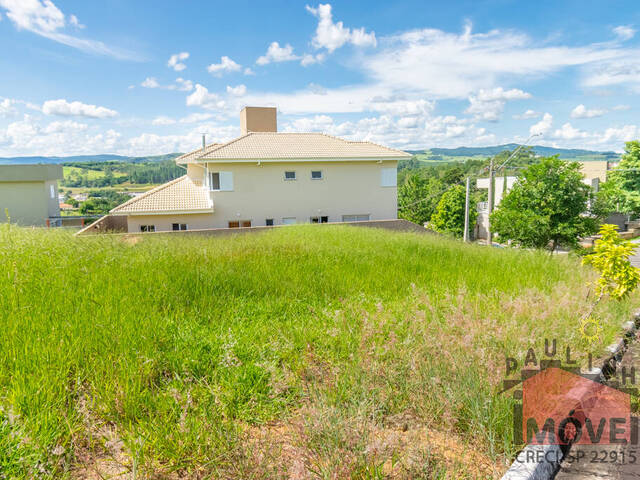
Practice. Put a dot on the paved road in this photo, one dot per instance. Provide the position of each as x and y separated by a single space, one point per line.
608 461
635 260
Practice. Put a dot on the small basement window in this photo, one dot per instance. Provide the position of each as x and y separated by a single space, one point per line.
147 228
178 226
316 174
289 221
234 224
269 222
290 175
355 218
323 219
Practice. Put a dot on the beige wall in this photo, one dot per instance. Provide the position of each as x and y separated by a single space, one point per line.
163 223
596 169
27 202
261 192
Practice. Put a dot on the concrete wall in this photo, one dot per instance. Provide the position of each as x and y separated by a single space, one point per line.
26 202
29 193
596 169
261 192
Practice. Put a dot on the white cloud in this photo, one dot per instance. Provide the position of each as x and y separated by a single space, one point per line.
450 65
44 18
163 120
618 108
237 91
181 84
543 126
276 53
248 71
202 98
7 108
489 104
226 65
65 126
624 32
64 108
527 114
176 61
583 112
28 137
184 85
332 35
309 59
567 132
73 20
150 82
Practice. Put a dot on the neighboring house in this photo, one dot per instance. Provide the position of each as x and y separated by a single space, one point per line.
265 178
595 172
29 193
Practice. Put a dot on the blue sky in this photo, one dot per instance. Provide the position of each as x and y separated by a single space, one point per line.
139 78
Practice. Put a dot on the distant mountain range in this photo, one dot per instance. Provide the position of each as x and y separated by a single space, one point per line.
87 158
565 153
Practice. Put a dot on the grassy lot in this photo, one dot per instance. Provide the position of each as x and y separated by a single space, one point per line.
314 352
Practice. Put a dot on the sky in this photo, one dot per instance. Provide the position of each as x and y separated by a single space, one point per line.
150 77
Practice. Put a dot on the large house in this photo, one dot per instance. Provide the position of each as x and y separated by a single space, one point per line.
29 194
265 178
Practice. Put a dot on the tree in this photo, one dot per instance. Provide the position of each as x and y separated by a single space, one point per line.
546 207
418 197
449 215
626 183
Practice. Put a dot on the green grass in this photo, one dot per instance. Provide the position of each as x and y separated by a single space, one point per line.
91 174
343 352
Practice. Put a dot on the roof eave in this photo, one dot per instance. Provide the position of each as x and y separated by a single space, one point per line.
163 212
303 159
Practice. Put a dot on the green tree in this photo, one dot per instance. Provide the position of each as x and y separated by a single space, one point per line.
626 183
418 197
449 215
546 207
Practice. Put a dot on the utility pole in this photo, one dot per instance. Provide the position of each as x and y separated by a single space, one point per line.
465 236
490 203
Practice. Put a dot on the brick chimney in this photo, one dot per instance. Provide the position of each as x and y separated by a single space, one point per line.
258 119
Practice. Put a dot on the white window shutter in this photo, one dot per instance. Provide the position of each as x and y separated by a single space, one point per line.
226 181
388 177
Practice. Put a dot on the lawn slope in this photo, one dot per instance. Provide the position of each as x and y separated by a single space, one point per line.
332 352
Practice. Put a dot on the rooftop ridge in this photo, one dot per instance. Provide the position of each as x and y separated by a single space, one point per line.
147 193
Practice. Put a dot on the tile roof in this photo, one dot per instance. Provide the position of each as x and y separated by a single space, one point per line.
180 195
275 146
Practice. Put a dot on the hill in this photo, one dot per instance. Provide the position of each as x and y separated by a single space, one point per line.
332 351
87 159
460 153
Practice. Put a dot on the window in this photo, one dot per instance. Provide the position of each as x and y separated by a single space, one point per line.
221 181
323 219
289 175
234 224
245 223
214 181
316 174
52 191
147 228
289 221
388 177
269 222
355 218
178 226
